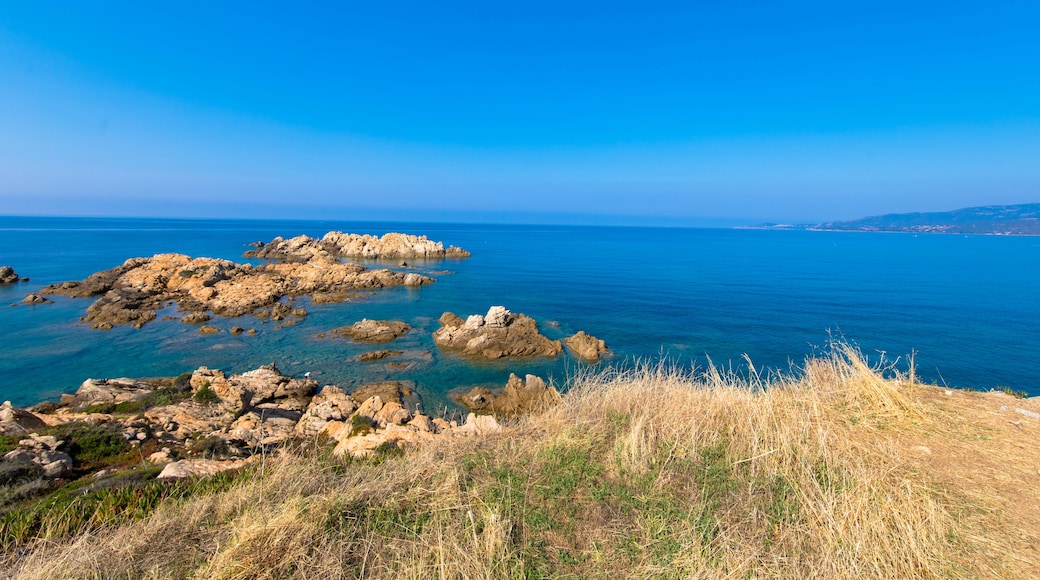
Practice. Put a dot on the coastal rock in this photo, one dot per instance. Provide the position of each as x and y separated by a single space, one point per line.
342 245
14 420
35 299
197 468
133 292
100 391
586 346
330 404
264 425
209 330
479 425
387 391
495 335
373 330
378 355
518 397
195 318
8 275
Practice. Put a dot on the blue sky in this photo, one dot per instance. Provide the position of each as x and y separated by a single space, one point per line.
646 113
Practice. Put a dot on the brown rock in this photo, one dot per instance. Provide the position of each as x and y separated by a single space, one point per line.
586 346
133 292
518 397
496 335
339 244
195 318
331 404
373 330
387 391
378 355
8 275
236 330
208 330
35 299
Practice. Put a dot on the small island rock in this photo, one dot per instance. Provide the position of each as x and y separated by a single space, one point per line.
497 334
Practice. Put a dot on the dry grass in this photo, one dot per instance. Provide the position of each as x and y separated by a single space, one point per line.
836 472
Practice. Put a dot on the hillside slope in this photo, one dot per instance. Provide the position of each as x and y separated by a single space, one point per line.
837 472
1011 220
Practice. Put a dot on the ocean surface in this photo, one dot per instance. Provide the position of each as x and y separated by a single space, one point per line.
969 306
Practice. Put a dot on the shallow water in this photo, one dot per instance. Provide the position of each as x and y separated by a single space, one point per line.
966 304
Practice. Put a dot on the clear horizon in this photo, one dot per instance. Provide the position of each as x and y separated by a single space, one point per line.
714 115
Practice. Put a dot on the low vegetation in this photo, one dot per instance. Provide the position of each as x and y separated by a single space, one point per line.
841 471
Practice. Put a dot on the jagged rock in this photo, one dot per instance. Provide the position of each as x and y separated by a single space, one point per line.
131 293
480 425
8 275
343 245
208 330
195 318
14 420
35 299
507 335
369 407
378 355
236 330
373 330
392 413
387 391
586 346
518 397
330 404
197 468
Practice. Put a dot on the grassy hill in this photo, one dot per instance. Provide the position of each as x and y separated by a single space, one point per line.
844 471
1014 220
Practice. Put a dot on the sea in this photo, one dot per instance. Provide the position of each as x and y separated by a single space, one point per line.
965 308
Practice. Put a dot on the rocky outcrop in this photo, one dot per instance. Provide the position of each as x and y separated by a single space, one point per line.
133 292
14 420
391 246
373 330
8 275
497 334
42 451
33 298
518 397
586 346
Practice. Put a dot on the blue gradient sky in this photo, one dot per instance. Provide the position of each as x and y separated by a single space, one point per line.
686 114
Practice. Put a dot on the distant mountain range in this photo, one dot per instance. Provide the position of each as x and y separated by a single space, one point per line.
1003 220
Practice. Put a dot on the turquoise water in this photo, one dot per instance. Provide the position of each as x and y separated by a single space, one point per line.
967 305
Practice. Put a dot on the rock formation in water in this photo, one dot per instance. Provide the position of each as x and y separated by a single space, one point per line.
373 330
518 397
8 275
133 292
586 346
497 334
342 245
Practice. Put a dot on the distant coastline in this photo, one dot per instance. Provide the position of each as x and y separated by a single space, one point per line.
992 220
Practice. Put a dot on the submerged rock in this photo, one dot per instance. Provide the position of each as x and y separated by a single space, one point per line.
378 355
495 335
373 330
